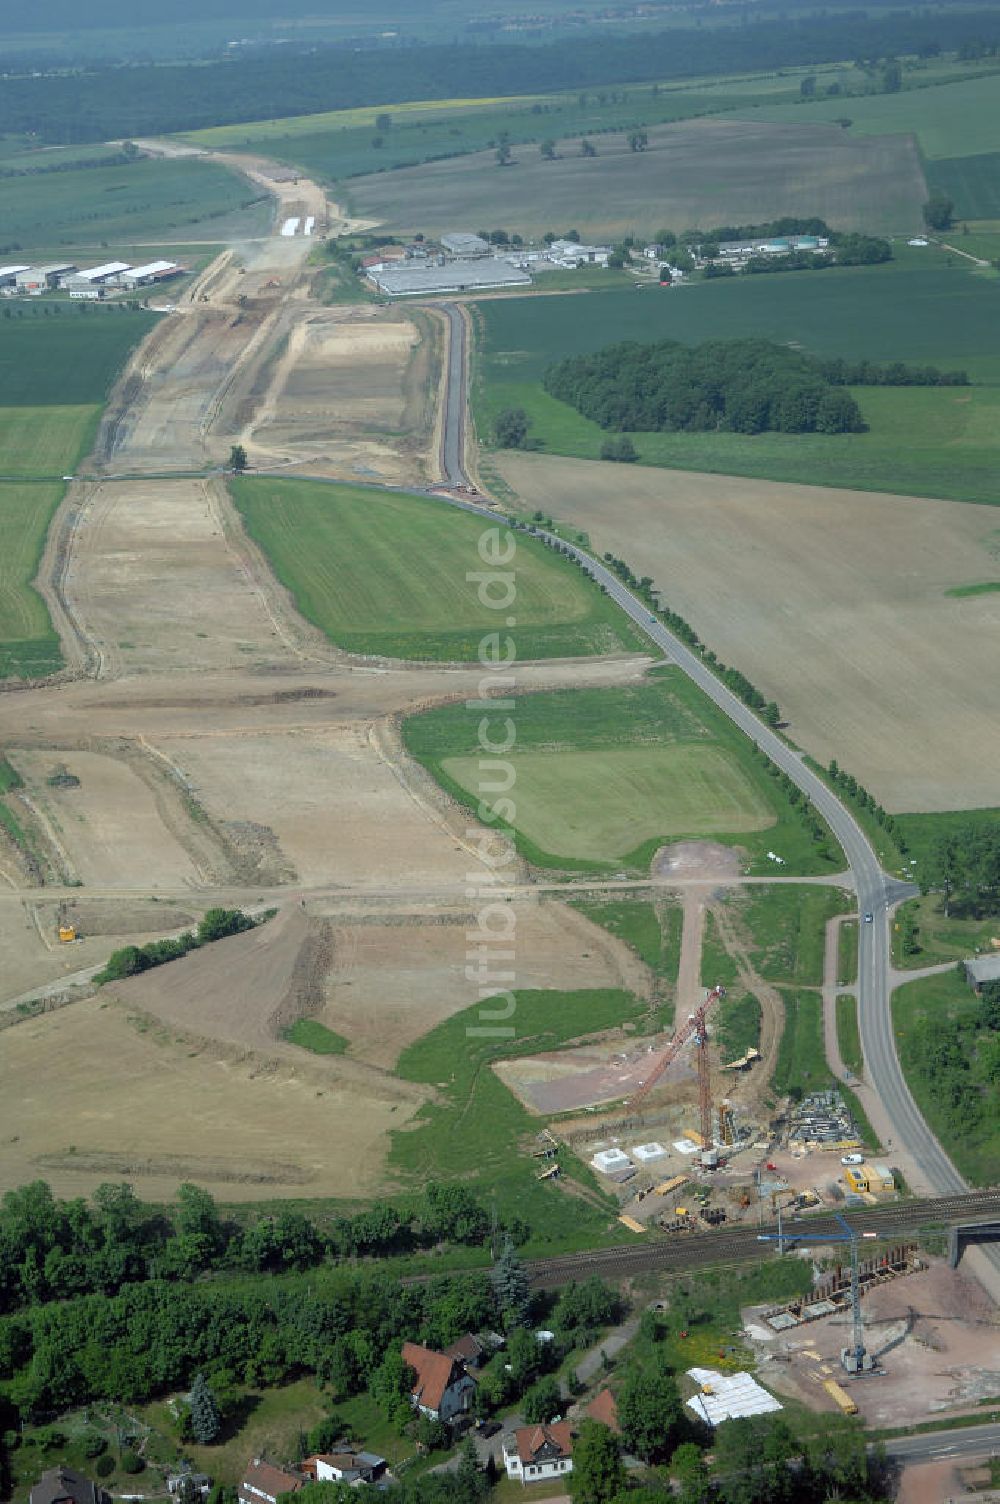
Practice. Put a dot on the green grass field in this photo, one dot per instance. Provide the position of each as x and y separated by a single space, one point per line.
29 647
931 1019
64 359
603 804
922 831
972 183
148 197
987 587
383 574
718 969
478 1132
738 1025
801 1066
924 441
310 1034
602 778
653 932
46 442
788 927
952 120
55 374
848 1035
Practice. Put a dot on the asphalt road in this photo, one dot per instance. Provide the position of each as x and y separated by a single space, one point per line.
942 1446
876 890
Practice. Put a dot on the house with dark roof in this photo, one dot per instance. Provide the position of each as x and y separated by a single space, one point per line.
262 1483
61 1485
534 1453
469 1351
442 1389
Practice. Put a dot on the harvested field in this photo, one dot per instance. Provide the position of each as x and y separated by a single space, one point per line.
109 827
138 1102
834 603
394 978
703 172
334 811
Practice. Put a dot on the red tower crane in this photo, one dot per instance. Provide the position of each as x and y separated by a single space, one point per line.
694 1025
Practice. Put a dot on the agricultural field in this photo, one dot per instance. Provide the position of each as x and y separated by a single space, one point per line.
922 441
55 373
603 779
173 1108
343 144
699 172
793 585
29 647
953 119
386 575
149 197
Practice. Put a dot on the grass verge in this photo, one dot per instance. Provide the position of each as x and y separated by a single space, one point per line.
848 1034
847 952
923 935
801 1066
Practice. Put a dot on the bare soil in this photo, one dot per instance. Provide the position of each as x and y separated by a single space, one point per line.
948 1358
833 602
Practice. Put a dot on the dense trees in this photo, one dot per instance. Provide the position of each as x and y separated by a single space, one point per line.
956 1058
649 1413
745 386
56 1250
938 211
108 103
963 865
598 1475
510 428
130 960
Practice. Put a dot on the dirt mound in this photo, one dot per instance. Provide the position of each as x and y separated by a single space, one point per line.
696 860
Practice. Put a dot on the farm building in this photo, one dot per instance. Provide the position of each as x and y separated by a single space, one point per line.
533 1453
92 282
10 274
982 969
36 279
572 253
461 243
144 276
451 276
740 250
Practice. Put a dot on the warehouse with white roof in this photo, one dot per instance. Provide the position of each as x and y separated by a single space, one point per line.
92 282
144 276
447 276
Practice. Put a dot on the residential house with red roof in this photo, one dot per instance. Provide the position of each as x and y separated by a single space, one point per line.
534 1453
442 1389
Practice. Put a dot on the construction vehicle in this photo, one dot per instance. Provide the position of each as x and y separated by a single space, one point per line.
64 927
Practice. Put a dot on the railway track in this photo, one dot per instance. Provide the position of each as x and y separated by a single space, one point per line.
741 1245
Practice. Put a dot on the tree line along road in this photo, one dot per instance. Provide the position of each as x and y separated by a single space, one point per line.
877 892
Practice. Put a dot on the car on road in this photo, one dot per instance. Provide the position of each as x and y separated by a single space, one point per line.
489 1428
852 1159
869 917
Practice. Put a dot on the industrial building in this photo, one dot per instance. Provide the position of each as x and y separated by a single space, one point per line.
447 276
37 279
144 276
742 250
10 274
92 282
461 243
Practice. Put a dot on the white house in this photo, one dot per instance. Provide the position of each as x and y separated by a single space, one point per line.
442 1388
533 1453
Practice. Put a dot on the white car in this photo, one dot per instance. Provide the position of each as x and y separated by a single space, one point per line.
852 1159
